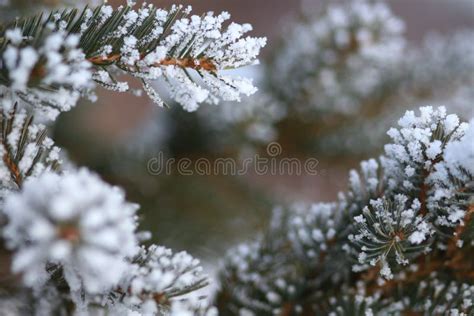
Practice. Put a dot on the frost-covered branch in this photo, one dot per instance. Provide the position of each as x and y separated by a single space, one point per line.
399 241
47 61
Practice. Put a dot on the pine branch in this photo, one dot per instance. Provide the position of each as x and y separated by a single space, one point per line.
147 43
199 64
390 232
141 285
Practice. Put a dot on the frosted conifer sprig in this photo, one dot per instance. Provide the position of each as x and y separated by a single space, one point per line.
26 149
264 273
311 230
389 232
452 188
418 145
74 237
75 222
156 279
256 283
43 68
186 53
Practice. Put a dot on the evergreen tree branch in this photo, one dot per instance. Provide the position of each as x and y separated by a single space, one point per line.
391 232
147 43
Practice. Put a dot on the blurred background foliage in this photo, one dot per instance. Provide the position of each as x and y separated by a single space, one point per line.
119 134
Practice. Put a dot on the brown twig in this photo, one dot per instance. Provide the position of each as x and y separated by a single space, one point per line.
423 193
14 169
196 64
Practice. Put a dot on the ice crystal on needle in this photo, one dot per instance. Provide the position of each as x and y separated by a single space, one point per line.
418 144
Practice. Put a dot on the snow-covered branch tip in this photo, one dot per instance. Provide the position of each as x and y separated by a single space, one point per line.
48 61
75 236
